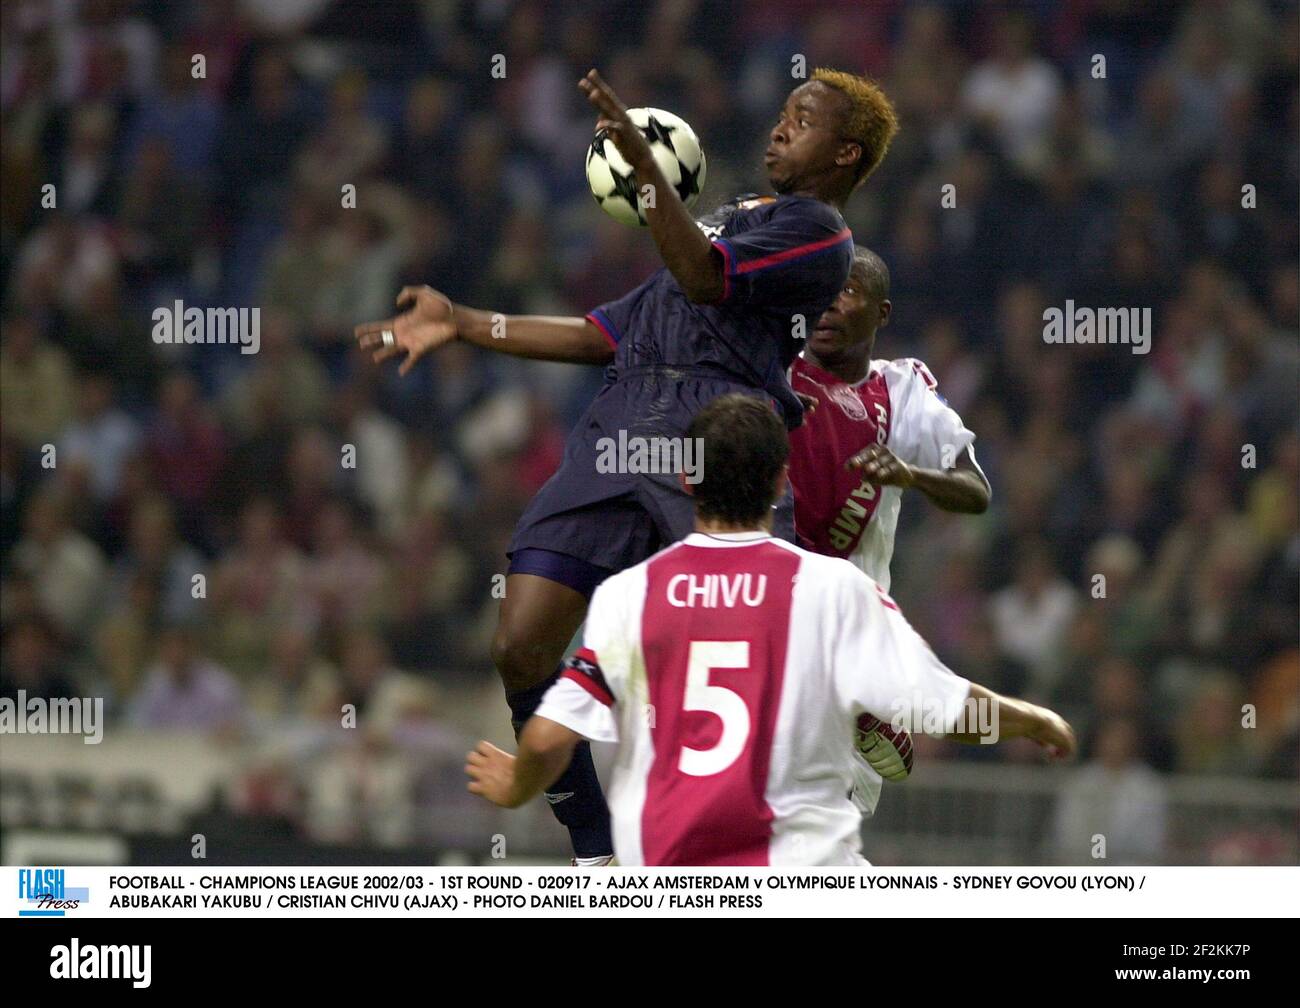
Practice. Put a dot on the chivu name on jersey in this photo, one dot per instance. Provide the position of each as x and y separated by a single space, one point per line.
711 591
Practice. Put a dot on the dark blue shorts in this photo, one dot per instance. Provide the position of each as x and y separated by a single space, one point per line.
614 520
579 575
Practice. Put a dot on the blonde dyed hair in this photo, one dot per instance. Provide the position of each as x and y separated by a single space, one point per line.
871 120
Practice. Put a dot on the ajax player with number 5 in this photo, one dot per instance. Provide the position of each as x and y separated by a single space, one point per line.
729 669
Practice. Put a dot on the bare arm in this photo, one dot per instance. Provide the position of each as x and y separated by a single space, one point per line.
545 749
431 319
962 489
684 248
1013 718
569 340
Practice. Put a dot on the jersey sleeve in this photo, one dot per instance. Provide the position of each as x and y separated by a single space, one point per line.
883 667
583 698
580 700
614 318
799 256
926 431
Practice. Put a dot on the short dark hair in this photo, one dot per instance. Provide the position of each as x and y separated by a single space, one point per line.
874 269
744 447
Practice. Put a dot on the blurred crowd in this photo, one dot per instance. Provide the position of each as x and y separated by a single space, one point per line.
238 542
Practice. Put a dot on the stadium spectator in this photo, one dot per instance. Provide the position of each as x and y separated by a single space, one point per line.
36 384
101 438
299 685
1014 92
185 690
153 550
256 587
1031 616
1114 807
31 663
67 570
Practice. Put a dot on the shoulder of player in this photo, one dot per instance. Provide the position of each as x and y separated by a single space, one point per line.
905 373
842 587
749 201
811 208
906 367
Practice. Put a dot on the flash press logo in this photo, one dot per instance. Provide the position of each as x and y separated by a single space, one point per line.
46 893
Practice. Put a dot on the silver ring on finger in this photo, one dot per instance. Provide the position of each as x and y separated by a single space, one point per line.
386 336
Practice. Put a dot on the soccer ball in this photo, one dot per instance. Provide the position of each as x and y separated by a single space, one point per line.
676 150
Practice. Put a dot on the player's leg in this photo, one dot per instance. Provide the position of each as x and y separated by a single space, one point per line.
582 526
545 603
538 618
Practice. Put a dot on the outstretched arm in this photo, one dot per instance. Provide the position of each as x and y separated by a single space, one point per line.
567 339
431 319
910 688
684 248
1014 718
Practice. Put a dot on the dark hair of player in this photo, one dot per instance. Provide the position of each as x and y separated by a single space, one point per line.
745 447
869 117
874 271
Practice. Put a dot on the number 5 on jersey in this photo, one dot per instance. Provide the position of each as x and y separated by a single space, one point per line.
718 700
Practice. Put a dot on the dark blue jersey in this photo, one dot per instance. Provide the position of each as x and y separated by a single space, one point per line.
786 258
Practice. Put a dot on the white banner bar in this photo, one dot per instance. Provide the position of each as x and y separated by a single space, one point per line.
70 892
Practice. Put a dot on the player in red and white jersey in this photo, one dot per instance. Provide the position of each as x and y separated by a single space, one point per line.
729 669
879 427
